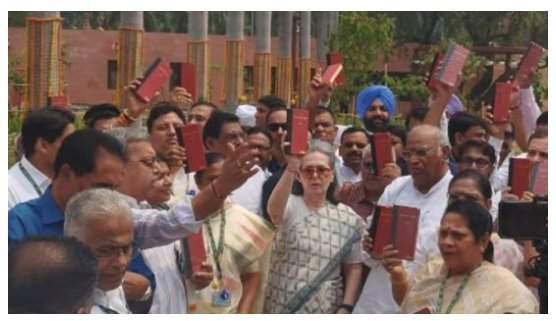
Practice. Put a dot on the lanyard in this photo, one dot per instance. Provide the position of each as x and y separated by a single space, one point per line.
217 251
456 297
30 179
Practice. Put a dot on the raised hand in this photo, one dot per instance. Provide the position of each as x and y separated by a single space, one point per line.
181 98
134 106
496 129
237 167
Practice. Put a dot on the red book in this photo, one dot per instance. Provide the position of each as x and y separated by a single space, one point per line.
530 60
153 80
431 79
452 65
58 101
336 58
196 250
189 79
381 151
298 126
502 102
397 225
331 73
539 179
520 173
190 137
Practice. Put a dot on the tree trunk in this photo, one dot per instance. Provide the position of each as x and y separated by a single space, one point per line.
44 57
130 51
262 68
284 89
197 50
233 76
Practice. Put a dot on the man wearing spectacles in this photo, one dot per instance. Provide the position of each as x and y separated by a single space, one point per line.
426 188
276 124
102 220
261 140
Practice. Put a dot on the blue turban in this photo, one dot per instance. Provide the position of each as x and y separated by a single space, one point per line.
369 94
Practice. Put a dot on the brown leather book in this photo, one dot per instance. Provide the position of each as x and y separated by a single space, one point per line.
431 79
189 79
530 60
153 80
502 101
190 138
539 179
336 58
520 174
381 151
298 126
452 65
331 73
397 225
194 253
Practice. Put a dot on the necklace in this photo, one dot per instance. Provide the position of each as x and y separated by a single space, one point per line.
217 251
457 295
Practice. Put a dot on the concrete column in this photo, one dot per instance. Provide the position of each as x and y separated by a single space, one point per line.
262 68
197 50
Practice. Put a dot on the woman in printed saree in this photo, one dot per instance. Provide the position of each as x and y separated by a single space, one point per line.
462 279
235 240
318 240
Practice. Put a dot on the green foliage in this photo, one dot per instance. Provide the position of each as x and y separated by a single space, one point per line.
360 36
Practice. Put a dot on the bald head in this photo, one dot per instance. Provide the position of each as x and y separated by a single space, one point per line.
426 153
51 275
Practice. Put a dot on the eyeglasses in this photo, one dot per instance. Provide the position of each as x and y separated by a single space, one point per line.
479 162
274 127
112 252
309 172
420 152
149 162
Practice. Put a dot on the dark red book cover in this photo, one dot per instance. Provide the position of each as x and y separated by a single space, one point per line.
189 79
431 79
196 250
153 80
452 65
190 137
539 178
58 101
502 101
381 151
336 58
331 73
530 60
298 126
520 173
397 225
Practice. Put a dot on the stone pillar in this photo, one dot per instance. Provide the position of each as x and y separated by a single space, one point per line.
130 51
44 58
284 74
198 50
233 70
305 54
262 68
322 36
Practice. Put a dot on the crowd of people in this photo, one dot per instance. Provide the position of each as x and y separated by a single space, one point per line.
100 218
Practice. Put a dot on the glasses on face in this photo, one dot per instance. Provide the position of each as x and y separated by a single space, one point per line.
149 162
113 252
309 172
458 196
479 162
419 152
274 127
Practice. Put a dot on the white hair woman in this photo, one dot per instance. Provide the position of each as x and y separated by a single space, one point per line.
317 240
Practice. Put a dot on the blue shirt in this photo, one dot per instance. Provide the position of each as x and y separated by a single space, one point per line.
39 216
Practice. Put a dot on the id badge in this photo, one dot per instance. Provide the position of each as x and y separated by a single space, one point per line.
221 298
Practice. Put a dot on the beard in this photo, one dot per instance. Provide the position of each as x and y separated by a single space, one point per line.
375 124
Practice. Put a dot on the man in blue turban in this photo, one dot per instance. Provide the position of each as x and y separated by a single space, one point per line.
375 106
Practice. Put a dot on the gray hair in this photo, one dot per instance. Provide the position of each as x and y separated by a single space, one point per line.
441 137
129 135
94 203
317 145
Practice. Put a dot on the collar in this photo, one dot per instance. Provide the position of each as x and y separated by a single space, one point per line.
51 213
444 181
37 175
347 172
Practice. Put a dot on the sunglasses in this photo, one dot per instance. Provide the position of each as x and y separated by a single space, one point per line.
309 172
274 127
